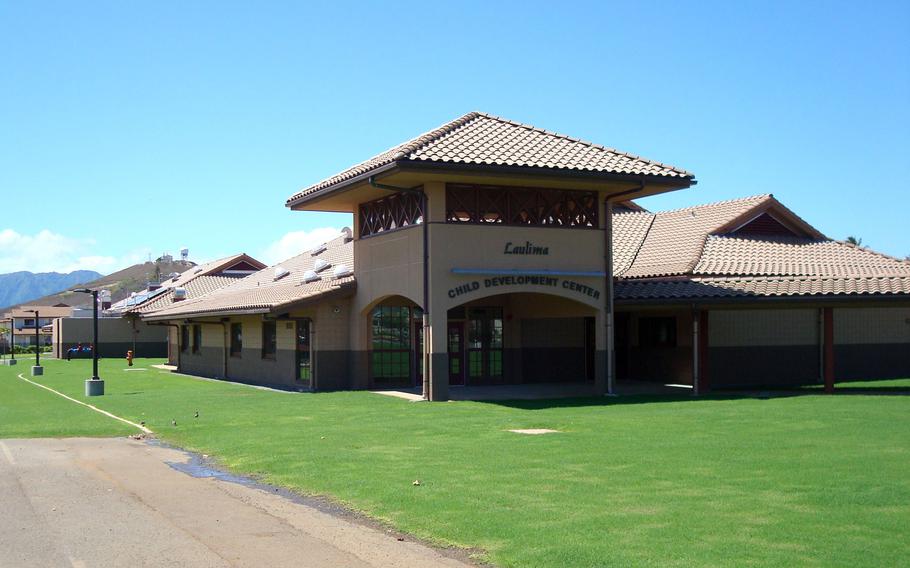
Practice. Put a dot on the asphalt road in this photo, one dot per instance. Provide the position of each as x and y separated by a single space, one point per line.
115 502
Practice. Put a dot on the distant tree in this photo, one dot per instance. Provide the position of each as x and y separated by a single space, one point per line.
851 240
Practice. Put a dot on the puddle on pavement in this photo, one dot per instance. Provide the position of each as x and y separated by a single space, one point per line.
197 467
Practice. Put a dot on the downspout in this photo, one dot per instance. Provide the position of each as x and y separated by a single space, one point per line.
426 277
608 291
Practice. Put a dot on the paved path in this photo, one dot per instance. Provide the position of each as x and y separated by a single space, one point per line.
115 502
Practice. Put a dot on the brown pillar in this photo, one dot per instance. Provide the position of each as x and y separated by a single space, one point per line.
704 380
828 316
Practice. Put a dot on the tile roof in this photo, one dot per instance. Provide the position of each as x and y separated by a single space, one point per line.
783 256
629 230
485 140
194 288
679 256
198 280
261 292
676 238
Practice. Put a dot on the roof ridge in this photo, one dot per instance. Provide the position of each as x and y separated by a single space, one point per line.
759 197
533 128
867 249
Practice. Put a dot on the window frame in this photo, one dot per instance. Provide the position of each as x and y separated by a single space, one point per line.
650 329
236 340
395 364
269 345
197 338
514 206
397 211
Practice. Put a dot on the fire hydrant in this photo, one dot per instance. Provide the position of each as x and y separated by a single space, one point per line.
129 358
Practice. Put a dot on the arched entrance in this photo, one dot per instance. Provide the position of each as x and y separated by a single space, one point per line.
395 338
521 338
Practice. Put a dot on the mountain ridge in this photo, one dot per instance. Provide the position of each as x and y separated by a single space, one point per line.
23 285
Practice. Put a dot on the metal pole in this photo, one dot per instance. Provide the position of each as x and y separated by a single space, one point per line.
95 335
12 338
37 340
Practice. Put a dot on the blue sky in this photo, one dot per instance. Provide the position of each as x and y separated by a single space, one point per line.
129 129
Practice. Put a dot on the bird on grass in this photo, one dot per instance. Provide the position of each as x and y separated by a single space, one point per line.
196 415
173 422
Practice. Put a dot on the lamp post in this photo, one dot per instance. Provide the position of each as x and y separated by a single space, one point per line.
37 369
12 343
93 386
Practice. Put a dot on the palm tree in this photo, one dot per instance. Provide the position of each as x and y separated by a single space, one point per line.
851 240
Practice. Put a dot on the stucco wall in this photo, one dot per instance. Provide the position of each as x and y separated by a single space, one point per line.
871 343
115 337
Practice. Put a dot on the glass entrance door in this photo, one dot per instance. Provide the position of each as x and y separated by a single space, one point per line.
456 353
304 354
485 345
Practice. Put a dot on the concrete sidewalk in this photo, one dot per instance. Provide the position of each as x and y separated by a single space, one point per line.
116 502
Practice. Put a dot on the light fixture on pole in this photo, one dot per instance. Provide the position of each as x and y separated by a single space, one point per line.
93 386
37 369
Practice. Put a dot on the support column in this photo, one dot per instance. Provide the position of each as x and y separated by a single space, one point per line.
704 378
696 350
437 356
600 353
609 350
828 318
436 373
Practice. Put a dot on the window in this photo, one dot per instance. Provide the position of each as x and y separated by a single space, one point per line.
393 212
197 338
391 343
657 332
236 339
488 204
304 353
485 342
29 322
184 337
269 340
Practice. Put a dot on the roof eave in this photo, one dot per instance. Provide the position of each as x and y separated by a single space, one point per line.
758 299
339 186
204 314
680 181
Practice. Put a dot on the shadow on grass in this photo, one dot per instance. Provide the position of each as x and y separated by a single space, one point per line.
726 395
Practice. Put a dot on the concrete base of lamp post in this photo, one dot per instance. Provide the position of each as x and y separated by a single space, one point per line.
37 370
94 387
8 361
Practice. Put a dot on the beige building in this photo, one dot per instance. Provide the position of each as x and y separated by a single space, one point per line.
479 255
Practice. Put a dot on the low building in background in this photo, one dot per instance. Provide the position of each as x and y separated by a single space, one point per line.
120 328
23 322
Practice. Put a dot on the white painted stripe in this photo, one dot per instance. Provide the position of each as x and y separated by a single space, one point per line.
8 454
95 408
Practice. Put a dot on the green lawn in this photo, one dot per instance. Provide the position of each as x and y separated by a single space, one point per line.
802 480
27 411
